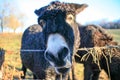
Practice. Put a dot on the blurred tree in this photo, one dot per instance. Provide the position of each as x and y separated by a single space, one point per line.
3 13
111 24
10 16
1 23
13 22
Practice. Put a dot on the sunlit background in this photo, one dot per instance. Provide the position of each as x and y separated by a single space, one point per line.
97 11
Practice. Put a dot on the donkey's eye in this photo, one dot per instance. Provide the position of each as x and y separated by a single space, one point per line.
70 17
42 22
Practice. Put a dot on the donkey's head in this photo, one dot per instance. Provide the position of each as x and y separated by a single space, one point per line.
58 20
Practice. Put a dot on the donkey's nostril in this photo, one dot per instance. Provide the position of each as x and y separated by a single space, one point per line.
49 56
63 52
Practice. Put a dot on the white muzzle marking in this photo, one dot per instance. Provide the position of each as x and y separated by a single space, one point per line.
54 44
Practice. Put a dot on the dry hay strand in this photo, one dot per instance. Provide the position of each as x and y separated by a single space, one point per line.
95 52
98 52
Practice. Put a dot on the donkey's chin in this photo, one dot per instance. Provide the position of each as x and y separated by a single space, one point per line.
63 69
67 65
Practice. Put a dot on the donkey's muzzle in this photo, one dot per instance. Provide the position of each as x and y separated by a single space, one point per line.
60 59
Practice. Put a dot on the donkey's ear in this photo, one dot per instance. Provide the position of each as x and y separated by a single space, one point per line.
78 7
37 12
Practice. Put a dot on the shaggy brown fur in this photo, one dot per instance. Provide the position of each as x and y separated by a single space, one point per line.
96 36
93 35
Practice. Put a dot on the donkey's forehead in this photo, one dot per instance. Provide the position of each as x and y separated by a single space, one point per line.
64 7
60 6
54 8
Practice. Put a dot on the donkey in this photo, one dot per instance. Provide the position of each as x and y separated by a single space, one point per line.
57 41
96 36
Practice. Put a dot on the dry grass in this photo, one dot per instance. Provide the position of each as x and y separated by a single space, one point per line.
103 75
12 64
115 33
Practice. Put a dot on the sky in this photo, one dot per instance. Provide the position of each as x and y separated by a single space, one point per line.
97 9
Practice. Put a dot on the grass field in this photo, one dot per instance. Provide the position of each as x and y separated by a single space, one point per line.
12 42
116 34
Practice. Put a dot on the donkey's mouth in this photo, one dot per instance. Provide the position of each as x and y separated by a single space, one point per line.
63 70
66 65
